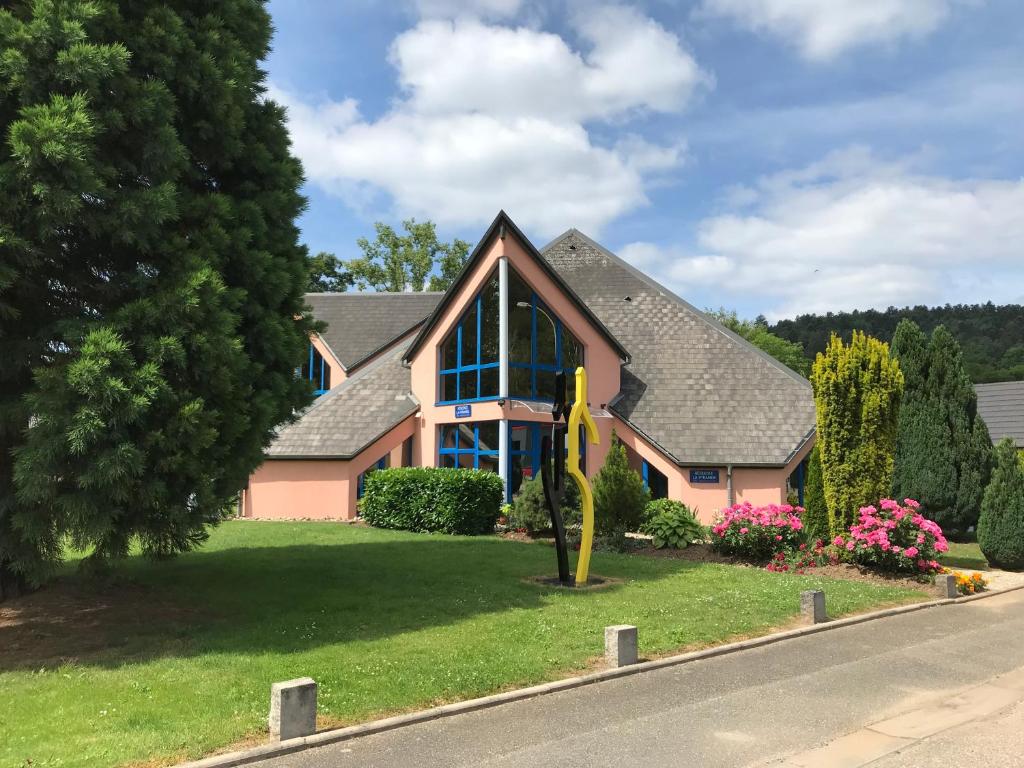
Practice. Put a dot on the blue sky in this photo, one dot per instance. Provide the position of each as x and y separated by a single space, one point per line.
772 156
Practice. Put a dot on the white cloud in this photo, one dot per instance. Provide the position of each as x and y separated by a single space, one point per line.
822 29
497 117
852 232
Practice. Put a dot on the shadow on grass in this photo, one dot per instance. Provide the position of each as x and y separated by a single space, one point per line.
285 599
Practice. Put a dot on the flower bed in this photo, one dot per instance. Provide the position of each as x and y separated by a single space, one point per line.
894 538
969 584
757 533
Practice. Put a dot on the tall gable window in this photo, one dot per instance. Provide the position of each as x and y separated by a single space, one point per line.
469 354
317 370
539 345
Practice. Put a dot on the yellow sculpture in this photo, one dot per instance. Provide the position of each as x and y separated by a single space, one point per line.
580 416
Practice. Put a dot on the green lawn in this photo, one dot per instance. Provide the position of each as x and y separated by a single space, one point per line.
177 660
964 556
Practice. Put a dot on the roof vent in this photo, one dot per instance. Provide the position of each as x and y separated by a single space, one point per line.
572 246
628 298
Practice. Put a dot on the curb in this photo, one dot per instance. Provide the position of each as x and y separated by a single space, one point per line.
335 735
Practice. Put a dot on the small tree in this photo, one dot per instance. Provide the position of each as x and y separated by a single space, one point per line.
815 509
857 390
1001 526
789 353
395 262
619 494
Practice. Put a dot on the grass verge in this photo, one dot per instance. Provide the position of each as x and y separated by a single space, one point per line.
176 660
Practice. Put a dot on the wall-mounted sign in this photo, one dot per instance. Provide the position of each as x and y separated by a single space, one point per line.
463 411
703 475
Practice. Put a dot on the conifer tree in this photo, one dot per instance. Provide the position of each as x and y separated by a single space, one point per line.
943 449
1001 526
815 508
619 494
150 274
857 390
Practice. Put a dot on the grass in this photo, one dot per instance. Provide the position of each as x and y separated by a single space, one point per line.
964 556
176 660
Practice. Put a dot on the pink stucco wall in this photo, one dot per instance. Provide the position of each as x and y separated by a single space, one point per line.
318 490
754 484
338 374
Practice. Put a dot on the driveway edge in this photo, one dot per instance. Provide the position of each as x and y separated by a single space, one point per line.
334 735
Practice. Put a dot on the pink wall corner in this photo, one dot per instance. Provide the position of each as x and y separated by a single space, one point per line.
382 446
290 490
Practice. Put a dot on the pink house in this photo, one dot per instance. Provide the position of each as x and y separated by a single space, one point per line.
466 378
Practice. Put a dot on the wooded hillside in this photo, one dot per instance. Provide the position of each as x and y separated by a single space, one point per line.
992 337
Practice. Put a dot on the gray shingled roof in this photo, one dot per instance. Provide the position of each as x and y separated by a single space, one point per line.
1001 405
352 415
361 324
698 391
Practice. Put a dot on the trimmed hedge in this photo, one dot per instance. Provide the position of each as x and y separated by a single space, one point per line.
461 501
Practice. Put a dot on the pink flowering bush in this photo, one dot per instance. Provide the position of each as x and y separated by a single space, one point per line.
894 538
756 533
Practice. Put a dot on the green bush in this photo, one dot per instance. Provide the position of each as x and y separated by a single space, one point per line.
672 524
530 512
1001 526
460 501
815 515
619 494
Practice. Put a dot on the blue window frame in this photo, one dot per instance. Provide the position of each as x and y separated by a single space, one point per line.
382 463
317 370
654 481
469 355
469 445
539 346
524 453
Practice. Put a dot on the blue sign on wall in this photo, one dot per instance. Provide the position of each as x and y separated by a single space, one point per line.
703 475
463 411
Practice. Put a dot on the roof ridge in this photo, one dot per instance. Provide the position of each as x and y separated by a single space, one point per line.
650 281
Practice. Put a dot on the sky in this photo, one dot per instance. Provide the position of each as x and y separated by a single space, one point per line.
775 157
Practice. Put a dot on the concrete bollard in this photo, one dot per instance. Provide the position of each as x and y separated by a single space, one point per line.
947 585
293 709
812 606
620 647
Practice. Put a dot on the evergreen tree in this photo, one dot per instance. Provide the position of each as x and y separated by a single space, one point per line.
150 274
815 517
943 448
619 494
857 390
1001 526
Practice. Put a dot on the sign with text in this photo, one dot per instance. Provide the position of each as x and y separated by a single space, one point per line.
703 475
463 411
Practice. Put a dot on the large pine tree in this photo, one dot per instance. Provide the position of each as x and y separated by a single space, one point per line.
150 274
943 448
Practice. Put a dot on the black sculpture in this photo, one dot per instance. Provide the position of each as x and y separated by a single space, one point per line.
554 487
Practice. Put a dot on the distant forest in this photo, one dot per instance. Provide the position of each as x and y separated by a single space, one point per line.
992 337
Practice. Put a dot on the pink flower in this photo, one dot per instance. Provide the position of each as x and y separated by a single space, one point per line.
911 552
849 546
837 541
744 530
778 538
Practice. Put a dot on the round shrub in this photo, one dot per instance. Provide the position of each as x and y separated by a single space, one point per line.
894 538
756 533
463 501
530 512
671 524
1001 526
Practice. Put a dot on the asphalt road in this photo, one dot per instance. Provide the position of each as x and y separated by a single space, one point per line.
757 707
